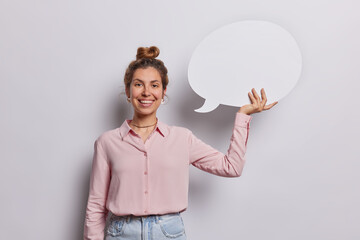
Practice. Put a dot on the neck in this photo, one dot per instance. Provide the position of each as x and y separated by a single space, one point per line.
144 120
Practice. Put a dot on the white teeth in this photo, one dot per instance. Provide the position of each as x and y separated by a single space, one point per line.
146 101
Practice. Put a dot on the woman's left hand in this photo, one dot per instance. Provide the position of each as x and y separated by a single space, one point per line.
256 105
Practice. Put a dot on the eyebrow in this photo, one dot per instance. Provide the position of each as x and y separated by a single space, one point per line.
143 81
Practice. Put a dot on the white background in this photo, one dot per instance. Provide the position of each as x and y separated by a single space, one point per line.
61 71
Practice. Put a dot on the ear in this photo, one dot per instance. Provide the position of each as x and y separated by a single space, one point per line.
127 91
164 92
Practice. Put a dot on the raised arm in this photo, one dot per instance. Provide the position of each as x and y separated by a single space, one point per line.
211 160
232 163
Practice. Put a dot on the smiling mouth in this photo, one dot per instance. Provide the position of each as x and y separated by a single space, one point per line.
146 103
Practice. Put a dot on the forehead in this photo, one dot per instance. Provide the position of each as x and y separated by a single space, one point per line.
147 74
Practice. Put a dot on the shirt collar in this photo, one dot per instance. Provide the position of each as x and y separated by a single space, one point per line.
161 127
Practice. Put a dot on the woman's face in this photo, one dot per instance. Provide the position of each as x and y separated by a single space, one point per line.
146 91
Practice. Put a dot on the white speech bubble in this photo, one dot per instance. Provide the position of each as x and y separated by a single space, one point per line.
240 56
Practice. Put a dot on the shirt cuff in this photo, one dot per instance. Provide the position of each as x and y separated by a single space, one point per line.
242 119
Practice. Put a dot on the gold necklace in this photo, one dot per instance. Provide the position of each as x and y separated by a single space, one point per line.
143 126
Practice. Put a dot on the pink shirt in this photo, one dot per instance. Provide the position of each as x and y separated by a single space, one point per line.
132 177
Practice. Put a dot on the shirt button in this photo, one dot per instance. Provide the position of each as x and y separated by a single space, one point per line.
145 154
145 211
146 192
145 173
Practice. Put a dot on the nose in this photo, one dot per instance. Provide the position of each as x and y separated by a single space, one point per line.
145 91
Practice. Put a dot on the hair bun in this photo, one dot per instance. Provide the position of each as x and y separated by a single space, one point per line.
147 52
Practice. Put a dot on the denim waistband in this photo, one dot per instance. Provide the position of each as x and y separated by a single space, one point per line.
154 217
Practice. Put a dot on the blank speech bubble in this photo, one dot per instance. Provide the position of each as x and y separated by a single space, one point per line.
240 56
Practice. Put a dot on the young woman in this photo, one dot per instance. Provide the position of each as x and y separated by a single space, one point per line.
140 171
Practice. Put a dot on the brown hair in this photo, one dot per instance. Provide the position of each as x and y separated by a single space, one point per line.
145 58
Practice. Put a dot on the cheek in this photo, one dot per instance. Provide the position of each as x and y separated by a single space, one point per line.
135 92
161 93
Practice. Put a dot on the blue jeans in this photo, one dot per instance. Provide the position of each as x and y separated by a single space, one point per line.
151 227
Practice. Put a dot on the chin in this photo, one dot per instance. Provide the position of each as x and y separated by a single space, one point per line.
145 112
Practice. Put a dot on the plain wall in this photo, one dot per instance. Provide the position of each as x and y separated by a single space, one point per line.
61 70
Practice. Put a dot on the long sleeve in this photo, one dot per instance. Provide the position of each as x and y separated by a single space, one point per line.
99 184
211 160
